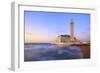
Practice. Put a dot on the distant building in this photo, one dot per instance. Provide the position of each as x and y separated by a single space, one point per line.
68 39
63 38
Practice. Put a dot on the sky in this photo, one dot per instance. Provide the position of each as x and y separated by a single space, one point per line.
46 26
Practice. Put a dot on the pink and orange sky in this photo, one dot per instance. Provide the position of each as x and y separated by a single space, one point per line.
45 26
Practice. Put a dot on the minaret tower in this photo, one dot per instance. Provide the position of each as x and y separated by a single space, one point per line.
72 29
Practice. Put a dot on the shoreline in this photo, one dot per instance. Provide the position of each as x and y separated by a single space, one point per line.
85 49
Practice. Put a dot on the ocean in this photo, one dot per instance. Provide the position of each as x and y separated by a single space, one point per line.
47 51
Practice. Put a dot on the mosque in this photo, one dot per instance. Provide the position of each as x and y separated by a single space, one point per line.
68 39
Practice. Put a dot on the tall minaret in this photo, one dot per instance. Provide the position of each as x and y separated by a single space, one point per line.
72 29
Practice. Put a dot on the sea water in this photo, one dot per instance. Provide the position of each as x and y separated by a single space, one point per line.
44 52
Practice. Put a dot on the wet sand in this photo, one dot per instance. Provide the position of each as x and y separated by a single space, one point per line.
85 48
